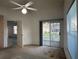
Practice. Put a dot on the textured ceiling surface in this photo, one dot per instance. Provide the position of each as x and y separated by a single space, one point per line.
7 3
37 3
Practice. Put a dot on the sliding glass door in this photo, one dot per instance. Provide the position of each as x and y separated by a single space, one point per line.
55 34
46 34
50 33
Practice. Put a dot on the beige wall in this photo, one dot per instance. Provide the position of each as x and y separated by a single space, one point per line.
47 9
67 4
10 15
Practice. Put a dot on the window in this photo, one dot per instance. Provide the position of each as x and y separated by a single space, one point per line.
72 31
14 29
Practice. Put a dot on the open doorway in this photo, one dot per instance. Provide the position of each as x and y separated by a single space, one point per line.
12 33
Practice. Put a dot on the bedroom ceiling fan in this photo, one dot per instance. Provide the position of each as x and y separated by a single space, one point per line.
25 7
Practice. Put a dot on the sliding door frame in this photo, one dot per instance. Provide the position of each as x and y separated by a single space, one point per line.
41 25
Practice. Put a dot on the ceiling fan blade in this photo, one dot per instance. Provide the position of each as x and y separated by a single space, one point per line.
17 8
28 4
15 3
32 9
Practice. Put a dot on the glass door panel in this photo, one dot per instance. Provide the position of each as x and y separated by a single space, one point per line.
51 34
46 34
55 34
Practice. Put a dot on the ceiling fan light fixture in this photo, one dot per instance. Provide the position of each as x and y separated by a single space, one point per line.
23 8
24 11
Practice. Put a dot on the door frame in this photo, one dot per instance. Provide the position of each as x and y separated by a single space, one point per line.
40 28
19 33
13 23
19 23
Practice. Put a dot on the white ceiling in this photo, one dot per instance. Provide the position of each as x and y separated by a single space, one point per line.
37 3
7 3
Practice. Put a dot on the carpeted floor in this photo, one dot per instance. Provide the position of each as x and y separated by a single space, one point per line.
32 52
